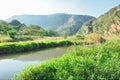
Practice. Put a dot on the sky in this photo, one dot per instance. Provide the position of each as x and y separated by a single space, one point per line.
95 8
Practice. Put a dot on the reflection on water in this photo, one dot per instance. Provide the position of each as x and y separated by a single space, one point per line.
8 67
42 55
14 63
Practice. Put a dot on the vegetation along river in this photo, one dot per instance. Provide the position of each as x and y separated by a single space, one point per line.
14 63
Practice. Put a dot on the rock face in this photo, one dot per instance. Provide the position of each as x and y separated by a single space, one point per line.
90 28
63 23
114 28
107 24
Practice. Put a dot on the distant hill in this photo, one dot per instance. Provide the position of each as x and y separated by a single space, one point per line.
61 22
73 24
106 24
5 27
16 31
21 29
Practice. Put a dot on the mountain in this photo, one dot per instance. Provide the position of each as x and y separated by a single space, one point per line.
61 22
73 24
106 24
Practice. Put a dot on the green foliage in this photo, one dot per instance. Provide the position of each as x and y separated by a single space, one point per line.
32 30
80 37
4 38
51 33
17 25
5 27
89 63
16 28
12 33
17 47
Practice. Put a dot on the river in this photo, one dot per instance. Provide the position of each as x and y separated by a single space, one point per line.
14 63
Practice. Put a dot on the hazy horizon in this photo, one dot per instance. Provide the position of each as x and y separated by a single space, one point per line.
43 7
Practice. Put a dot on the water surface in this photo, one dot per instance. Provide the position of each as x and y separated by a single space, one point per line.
14 63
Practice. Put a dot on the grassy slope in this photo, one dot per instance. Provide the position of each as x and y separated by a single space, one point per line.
89 63
104 22
73 24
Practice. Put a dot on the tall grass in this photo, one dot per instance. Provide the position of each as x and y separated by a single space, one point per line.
16 47
4 38
88 63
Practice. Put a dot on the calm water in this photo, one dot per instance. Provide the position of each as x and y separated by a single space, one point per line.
12 64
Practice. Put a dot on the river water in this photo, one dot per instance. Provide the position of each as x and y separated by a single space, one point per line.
14 63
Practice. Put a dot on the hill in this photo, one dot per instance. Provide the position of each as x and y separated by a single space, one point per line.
73 24
58 22
16 31
106 24
5 27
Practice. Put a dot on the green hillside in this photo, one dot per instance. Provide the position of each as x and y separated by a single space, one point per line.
16 31
72 25
106 24
60 22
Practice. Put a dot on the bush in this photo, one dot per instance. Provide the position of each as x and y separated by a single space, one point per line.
95 38
81 37
16 47
12 33
90 63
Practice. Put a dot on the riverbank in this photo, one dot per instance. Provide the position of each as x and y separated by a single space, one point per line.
18 47
93 62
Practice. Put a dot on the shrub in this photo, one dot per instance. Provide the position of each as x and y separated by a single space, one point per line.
16 47
90 63
95 38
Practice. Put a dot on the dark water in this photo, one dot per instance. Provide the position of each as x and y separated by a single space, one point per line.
12 64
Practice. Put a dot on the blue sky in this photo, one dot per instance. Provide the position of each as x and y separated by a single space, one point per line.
95 8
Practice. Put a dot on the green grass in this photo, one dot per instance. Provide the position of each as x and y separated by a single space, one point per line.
88 63
17 47
4 38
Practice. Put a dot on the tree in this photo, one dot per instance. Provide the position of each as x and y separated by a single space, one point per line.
52 33
12 33
33 30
